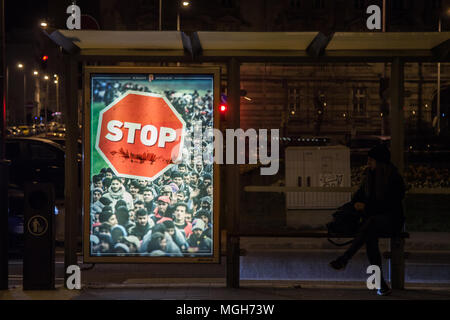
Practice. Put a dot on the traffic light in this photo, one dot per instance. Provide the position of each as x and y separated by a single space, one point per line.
44 61
223 108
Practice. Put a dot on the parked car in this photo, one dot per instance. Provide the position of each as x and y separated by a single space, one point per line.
36 159
25 130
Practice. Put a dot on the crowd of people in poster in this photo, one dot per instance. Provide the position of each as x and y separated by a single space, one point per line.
170 216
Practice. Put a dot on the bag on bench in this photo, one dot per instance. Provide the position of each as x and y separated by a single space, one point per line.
346 220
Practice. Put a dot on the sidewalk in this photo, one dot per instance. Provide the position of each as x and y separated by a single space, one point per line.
214 289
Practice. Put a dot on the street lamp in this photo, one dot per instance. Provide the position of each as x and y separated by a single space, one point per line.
44 24
184 4
20 66
46 78
35 73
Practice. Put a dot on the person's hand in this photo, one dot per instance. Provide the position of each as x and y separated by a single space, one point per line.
359 206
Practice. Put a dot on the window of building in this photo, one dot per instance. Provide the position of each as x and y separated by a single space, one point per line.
293 100
359 100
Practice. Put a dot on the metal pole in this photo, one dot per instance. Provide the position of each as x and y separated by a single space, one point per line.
37 97
438 109
178 20
384 15
24 98
396 114
71 189
4 179
232 178
46 106
7 95
160 15
57 94
4 79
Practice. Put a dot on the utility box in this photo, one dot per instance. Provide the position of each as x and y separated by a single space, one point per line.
311 166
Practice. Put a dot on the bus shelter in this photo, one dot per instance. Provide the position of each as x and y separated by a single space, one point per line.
230 49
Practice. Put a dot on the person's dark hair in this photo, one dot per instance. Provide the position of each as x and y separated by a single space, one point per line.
207 176
176 174
106 182
109 170
141 212
96 178
135 184
120 203
169 224
117 179
155 241
193 173
139 202
105 215
380 153
146 189
159 227
203 212
122 215
181 204
105 201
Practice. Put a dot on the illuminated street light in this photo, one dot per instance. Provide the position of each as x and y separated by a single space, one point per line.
186 3
55 76
46 77
20 66
56 81
44 24
35 73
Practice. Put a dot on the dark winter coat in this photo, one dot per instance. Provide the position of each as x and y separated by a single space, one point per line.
140 231
382 191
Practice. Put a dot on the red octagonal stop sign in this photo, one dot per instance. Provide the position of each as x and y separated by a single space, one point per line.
140 135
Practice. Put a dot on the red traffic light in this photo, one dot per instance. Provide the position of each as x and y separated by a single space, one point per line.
223 108
44 58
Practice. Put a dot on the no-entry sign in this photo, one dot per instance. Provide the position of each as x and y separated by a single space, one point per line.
140 135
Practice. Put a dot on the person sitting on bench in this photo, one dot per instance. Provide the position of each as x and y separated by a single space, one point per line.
379 199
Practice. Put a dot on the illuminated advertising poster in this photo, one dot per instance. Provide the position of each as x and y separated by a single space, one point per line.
149 167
